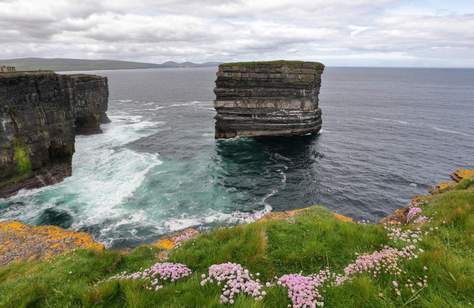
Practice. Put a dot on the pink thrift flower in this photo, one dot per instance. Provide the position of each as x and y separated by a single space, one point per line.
157 273
236 280
412 212
303 291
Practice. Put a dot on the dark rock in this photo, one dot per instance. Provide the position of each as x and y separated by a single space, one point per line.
36 131
40 113
91 95
276 98
54 217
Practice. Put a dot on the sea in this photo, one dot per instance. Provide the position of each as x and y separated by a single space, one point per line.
388 134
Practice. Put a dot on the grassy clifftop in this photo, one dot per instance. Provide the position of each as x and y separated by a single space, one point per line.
275 63
435 266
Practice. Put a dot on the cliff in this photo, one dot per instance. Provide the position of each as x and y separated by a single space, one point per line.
37 131
276 98
91 96
40 113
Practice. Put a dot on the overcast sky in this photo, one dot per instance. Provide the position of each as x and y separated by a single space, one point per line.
435 33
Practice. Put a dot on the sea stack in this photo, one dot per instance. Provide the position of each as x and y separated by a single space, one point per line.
273 98
40 114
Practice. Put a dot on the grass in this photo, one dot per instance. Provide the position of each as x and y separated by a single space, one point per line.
307 243
290 63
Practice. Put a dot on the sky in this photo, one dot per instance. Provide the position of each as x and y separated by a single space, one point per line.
420 33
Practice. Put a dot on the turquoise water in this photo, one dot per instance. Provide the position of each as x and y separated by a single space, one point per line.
388 134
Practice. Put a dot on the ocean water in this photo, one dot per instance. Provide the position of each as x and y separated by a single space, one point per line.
388 134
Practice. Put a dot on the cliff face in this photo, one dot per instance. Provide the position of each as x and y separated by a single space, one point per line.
40 113
37 131
277 98
90 104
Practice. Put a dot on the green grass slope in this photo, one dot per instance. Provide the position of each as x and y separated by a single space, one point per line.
307 243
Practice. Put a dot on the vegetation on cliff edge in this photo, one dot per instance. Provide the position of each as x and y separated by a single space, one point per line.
275 63
306 243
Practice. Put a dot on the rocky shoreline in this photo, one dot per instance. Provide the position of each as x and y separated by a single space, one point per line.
41 112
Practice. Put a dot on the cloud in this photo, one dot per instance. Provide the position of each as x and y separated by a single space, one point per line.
338 32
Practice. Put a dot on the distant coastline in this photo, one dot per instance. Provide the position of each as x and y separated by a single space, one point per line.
70 65
66 64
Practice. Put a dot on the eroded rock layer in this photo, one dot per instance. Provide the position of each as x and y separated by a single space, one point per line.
40 113
276 98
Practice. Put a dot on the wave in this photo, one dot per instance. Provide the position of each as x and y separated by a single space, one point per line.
212 217
391 121
151 109
449 131
436 128
105 174
192 103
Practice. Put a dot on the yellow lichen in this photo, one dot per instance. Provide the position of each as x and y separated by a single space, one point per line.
443 186
462 174
343 218
288 214
165 244
12 226
42 242
172 241
281 215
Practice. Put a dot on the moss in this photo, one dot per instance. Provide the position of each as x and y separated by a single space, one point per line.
276 63
22 162
22 158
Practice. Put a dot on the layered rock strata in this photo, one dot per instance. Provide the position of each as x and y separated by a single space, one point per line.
40 113
276 98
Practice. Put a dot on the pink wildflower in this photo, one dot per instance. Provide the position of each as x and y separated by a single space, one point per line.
412 212
159 271
303 290
385 260
236 280
421 219
184 236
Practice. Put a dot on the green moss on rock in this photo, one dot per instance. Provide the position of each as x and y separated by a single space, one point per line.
22 158
276 63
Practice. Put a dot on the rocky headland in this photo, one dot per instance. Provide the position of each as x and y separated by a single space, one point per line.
90 102
40 114
275 98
